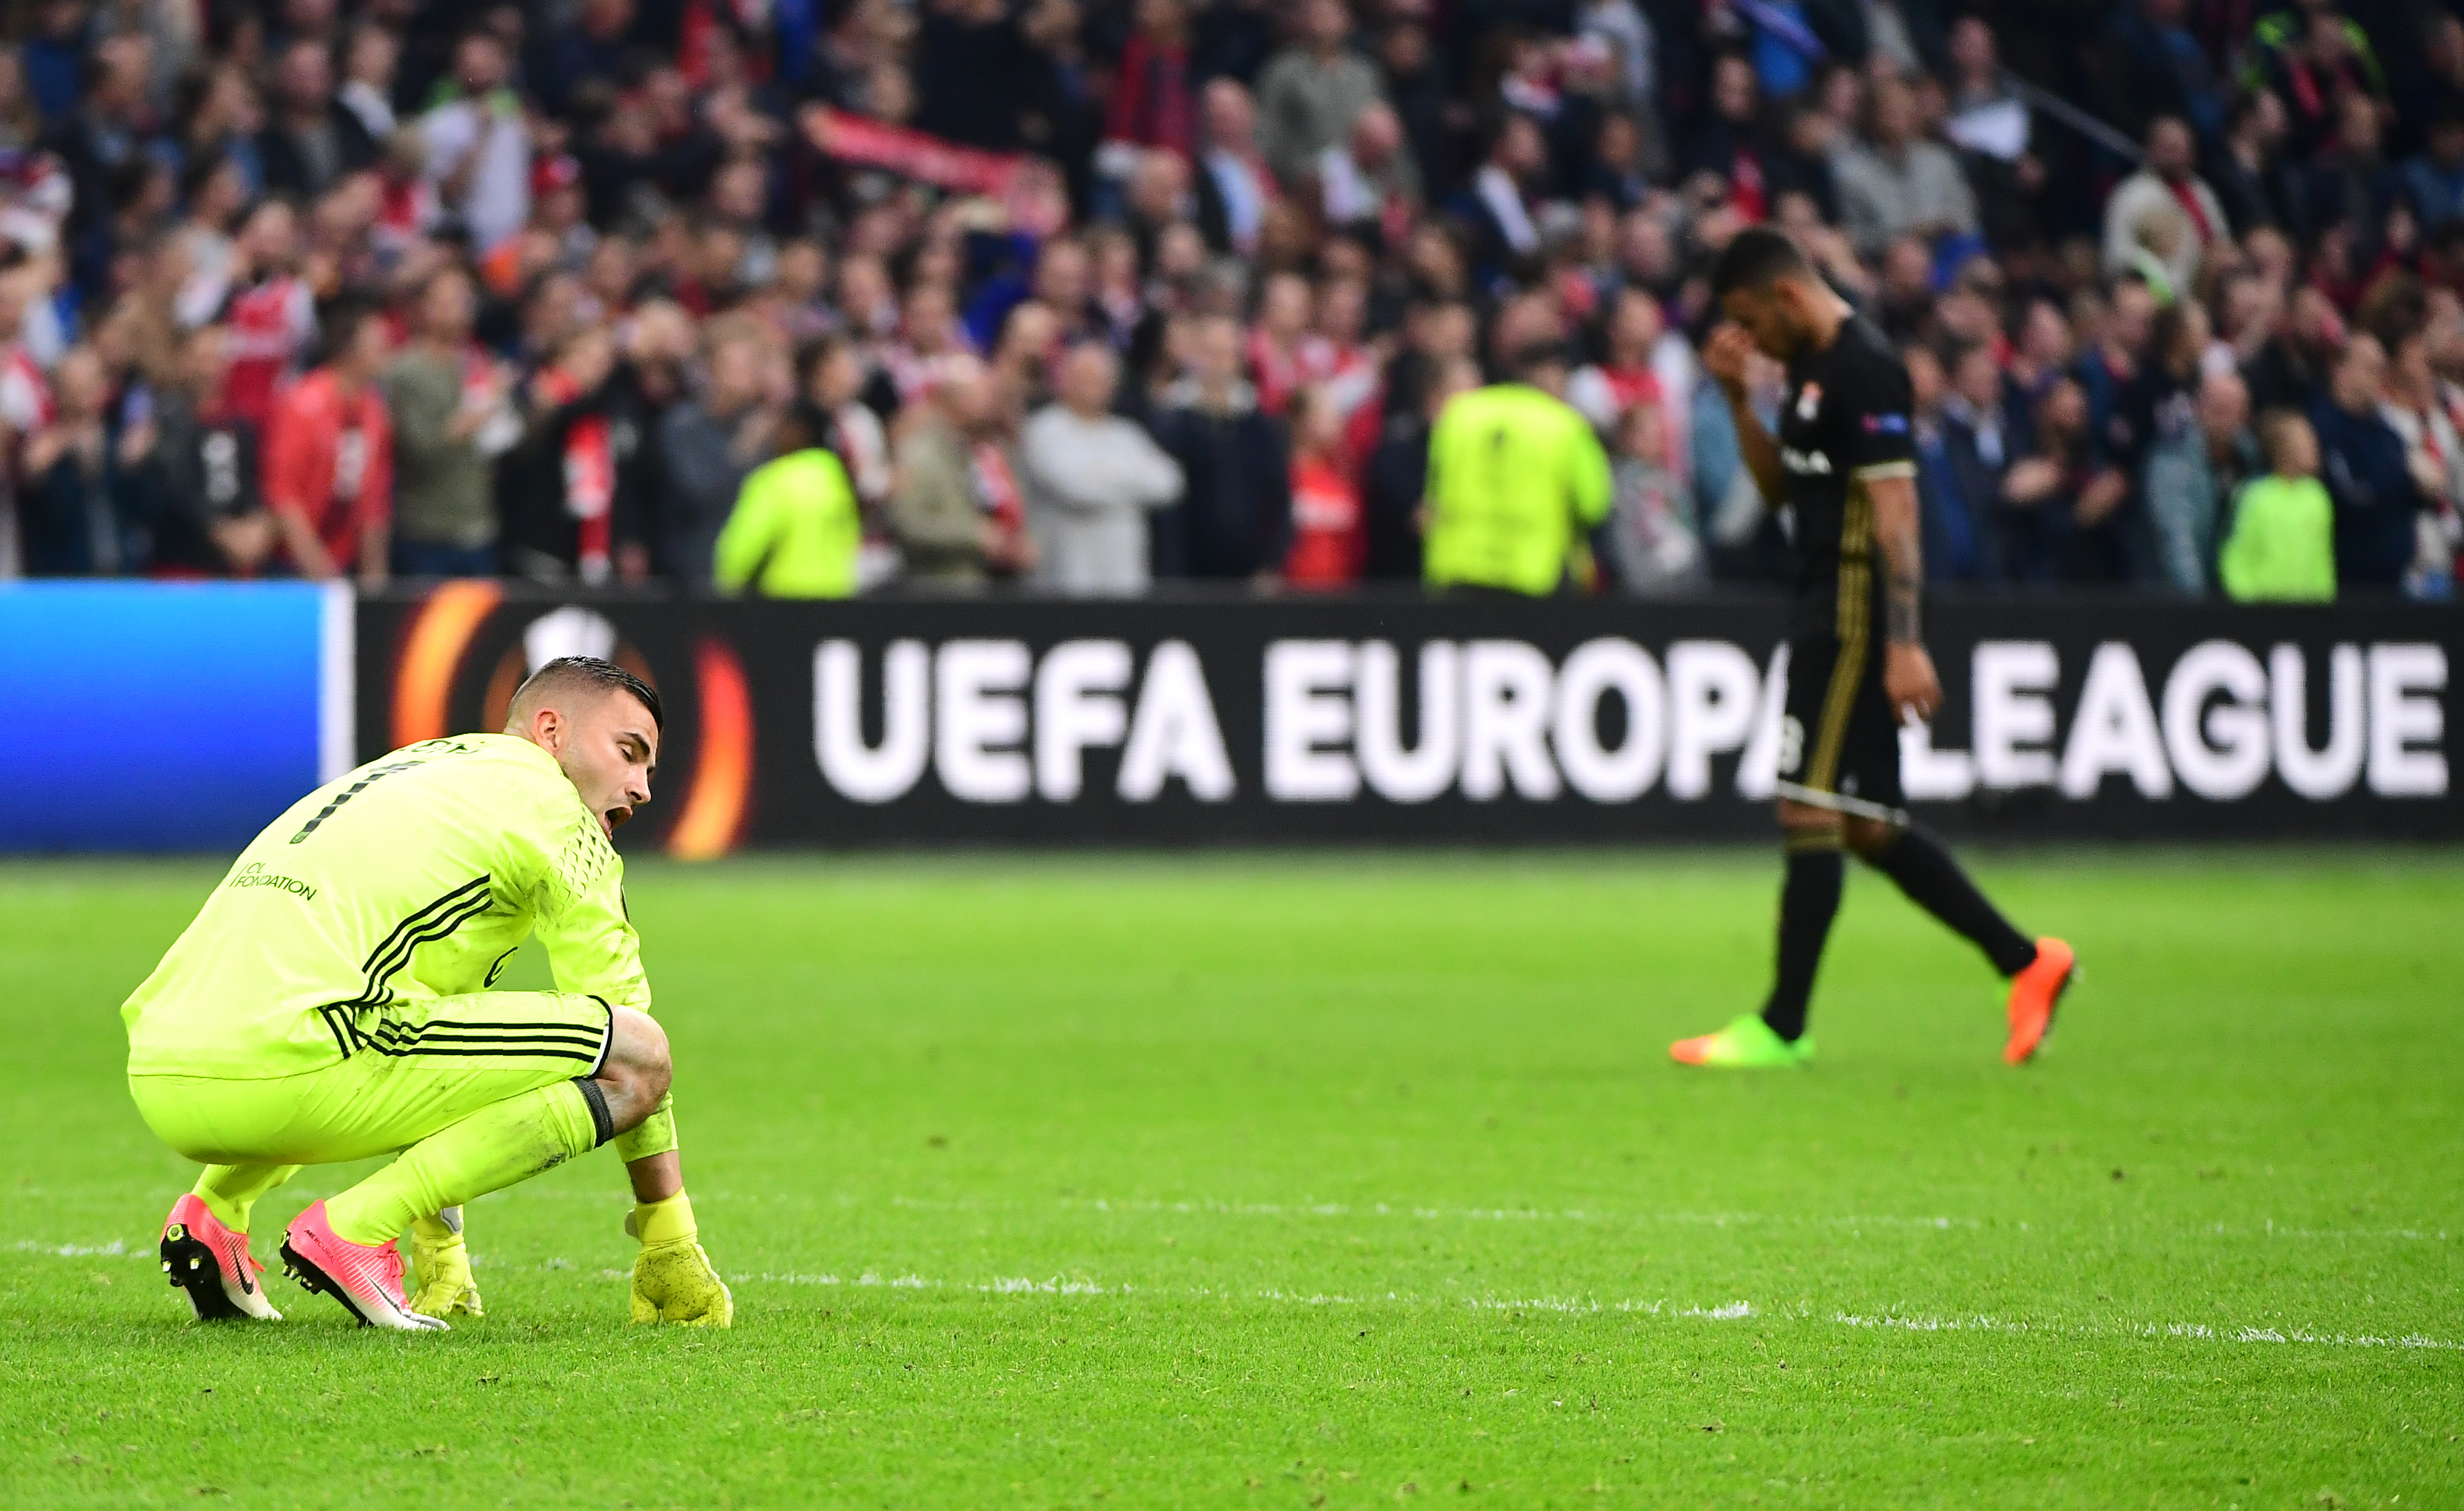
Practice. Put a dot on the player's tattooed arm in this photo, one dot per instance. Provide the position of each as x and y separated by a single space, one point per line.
1897 532
1908 679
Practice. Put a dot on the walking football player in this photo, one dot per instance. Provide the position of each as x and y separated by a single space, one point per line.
331 1003
1844 465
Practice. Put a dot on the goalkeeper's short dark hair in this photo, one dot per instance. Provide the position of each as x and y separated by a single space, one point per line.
589 673
1754 259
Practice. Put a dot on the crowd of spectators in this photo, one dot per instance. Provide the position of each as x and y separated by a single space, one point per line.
1084 295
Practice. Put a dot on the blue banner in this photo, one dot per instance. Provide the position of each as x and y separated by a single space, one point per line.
151 716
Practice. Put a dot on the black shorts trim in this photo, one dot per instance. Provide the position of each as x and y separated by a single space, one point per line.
607 1034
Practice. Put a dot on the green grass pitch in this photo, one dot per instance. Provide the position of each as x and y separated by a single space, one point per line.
1294 1181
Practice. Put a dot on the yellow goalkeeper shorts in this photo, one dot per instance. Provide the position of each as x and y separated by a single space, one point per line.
412 1069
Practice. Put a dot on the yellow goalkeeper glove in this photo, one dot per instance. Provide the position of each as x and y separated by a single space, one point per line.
442 1261
673 1278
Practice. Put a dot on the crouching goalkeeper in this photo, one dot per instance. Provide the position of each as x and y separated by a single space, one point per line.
330 1003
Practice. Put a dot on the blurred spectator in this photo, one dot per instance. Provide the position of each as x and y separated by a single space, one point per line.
215 191
2193 478
1727 145
2111 378
271 311
834 386
1802 163
103 133
2153 65
21 119
2058 493
369 64
1629 374
2164 216
2377 499
1415 84
1155 103
1091 478
708 446
312 140
329 456
2398 312
2250 179
2434 86
1311 92
1233 520
1233 38
1894 185
190 472
1633 50
794 530
2350 183
2312 58
975 72
560 485
1961 458
1988 429
1395 492
25 387
54 56
450 405
593 49
1284 353
1236 186
655 346
1651 539
478 144
70 514
2290 367
944 511
1369 178
2435 176
2162 397
1326 514
2282 545
1505 240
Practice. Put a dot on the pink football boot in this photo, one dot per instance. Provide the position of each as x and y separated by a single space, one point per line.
365 1277
213 1265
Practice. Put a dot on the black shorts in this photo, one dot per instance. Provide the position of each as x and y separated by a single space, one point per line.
1839 736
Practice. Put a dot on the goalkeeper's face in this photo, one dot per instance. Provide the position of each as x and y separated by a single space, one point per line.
609 748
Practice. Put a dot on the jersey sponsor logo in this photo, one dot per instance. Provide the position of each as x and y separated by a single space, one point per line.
254 875
1813 464
1887 425
1808 401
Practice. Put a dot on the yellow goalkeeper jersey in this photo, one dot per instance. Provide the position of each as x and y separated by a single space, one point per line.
413 878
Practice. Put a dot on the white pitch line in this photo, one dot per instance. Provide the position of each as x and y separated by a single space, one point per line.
1732 1311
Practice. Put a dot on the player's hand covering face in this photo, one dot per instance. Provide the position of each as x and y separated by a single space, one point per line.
1728 356
1765 314
608 746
